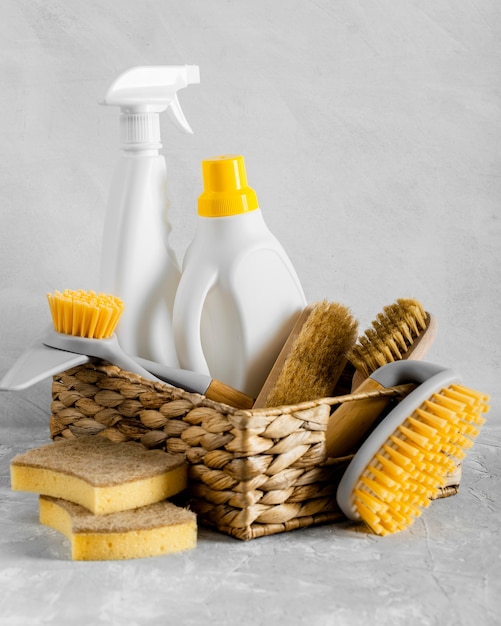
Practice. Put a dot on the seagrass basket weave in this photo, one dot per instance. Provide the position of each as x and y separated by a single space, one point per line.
251 472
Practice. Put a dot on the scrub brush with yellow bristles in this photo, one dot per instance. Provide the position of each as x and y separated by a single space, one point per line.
313 357
403 463
84 323
403 330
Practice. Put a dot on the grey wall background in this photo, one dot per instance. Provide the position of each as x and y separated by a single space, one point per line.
371 133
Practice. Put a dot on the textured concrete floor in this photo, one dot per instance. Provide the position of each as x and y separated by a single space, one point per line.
445 569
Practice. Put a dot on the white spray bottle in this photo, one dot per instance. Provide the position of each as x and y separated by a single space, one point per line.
239 295
138 264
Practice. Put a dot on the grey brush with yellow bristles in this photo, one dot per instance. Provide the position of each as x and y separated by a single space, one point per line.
313 357
402 331
84 323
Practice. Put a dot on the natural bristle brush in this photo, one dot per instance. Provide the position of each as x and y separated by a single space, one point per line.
403 463
313 357
84 323
402 331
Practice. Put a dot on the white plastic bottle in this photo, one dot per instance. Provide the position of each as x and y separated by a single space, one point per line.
239 295
138 264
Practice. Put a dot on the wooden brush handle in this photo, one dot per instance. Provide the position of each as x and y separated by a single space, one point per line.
219 392
198 383
350 423
358 379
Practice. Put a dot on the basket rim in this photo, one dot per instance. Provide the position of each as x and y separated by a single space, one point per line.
113 371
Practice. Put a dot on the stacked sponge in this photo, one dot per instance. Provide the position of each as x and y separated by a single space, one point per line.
109 499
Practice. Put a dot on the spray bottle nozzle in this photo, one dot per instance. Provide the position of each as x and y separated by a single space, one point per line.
153 89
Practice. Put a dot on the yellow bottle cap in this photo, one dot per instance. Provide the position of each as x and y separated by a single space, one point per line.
225 187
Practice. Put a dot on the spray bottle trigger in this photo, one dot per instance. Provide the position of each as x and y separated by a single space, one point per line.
177 116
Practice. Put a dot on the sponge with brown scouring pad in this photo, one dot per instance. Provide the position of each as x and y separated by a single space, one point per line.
101 475
313 357
159 528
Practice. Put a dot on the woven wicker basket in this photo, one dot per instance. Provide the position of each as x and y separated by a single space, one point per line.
251 472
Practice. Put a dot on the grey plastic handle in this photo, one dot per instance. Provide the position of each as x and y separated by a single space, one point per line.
107 349
403 372
185 379
110 350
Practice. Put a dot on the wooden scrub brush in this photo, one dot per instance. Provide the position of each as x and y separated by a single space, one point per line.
313 357
403 330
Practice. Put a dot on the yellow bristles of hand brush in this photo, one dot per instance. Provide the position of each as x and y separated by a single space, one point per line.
403 330
402 465
85 313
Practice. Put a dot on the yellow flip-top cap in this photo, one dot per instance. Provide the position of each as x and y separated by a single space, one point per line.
225 187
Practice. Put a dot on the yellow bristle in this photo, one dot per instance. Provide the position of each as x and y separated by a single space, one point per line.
85 313
432 434
416 476
409 469
414 437
417 490
383 477
77 318
403 511
371 518
371 501
454 451
400 460
406 448
92 318
435 415
392 522
481 398
52 308
462 441
391 469
67 314
480 421
460 397
455 407
377 489
471 431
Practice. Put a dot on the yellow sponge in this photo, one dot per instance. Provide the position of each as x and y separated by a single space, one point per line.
99 474
159 528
